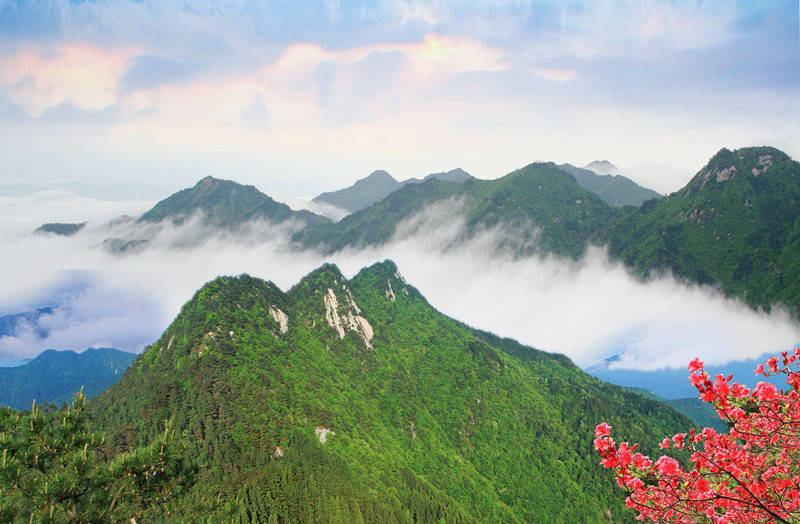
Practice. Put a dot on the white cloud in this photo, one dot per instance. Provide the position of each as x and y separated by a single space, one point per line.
586 309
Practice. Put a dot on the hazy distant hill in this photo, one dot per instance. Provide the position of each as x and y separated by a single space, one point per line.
377 186
365 192
356 401
616 190
55 376
60 228
674 383
602 167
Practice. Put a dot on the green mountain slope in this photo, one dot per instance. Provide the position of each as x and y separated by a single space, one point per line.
540 202
736 224
615 190
225 204
55 376
356 401
702 413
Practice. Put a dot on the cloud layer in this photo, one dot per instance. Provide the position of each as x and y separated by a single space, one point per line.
588 309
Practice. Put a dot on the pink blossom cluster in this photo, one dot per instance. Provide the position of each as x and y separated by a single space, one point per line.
750 474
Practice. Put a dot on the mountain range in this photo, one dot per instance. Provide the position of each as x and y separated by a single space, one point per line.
356 401
735 225
55 376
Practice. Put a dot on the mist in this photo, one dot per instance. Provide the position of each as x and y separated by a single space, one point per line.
588 309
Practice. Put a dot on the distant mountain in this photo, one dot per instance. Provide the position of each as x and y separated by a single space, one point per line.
674 384
225 204
365 192
55 376
356 401
222 204
457 175
60 228
615 190
602 167
543 203
735 225
377 186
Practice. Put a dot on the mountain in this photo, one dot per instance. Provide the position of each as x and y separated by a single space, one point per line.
365 192
377 186
543 204
457 175
735 225
222 205
225 204
356 401
615 190
602 167
60 228
55 376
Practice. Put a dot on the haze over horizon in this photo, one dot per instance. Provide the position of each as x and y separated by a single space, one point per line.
133 100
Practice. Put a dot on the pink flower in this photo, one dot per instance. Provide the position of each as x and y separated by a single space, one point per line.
765 391
773 364
602 430
695 365
667 466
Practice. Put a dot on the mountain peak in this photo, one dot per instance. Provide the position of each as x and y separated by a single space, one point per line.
743 163
378 174
363 193
454 175
602 167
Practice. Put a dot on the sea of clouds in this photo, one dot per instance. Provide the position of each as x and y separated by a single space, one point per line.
588 309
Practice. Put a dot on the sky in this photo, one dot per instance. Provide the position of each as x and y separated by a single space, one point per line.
128 100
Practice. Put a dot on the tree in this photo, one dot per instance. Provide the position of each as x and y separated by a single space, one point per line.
52 469
750 474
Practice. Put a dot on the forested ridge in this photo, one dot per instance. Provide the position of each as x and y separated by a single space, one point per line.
423 419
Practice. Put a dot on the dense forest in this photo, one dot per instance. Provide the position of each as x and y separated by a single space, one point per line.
357 401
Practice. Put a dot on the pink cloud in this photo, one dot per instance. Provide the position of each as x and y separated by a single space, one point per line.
82 74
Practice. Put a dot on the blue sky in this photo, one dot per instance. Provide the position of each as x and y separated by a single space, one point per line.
300 98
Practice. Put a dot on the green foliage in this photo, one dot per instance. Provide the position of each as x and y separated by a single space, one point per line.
52 469
703 414
434 421
55 376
